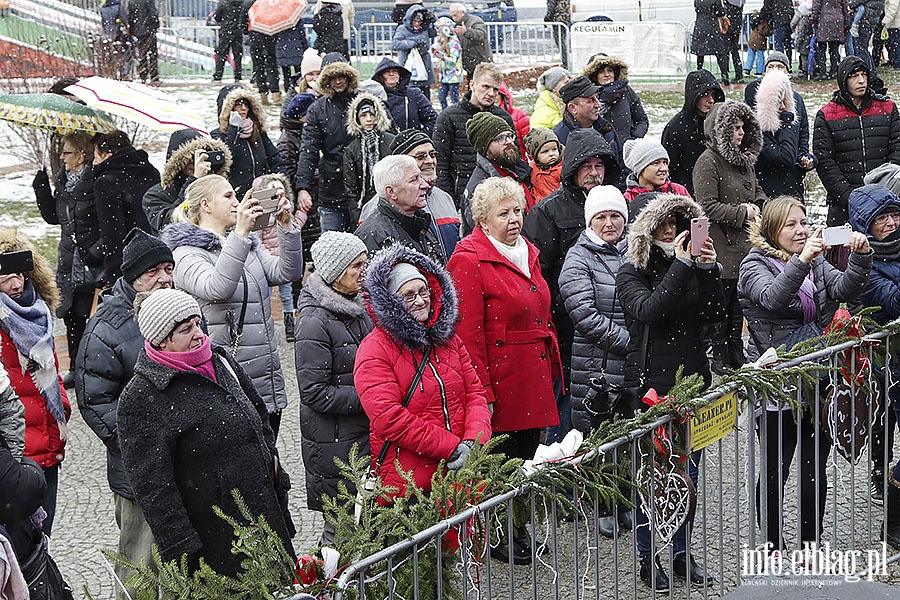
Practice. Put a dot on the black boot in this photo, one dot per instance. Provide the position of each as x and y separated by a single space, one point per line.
736 356
654 579
719 363
893 513
289 326
698 575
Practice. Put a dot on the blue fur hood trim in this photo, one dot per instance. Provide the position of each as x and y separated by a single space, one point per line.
388 311
188 234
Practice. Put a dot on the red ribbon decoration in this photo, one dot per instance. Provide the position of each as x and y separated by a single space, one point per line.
852 327
661 438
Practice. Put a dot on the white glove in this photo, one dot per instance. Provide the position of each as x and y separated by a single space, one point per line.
459 456
235 119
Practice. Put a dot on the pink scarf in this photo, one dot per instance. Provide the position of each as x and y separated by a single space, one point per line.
198 360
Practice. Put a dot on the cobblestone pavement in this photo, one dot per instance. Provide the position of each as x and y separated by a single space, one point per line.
581 567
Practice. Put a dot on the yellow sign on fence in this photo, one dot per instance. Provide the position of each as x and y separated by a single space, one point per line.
714 422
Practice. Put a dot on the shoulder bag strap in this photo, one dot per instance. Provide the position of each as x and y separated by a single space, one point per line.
611 312
238 328
426 357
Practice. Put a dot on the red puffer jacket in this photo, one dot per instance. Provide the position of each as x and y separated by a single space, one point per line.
508 330
449 404
43 442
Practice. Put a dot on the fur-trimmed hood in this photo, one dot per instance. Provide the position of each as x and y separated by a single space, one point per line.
182 146
382 119
759 241
388 311
42 276
774 86
326 297
651 211
334 69
188 234
599 61
229 96
718 127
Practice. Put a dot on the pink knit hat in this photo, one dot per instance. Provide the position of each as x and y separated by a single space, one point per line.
311 62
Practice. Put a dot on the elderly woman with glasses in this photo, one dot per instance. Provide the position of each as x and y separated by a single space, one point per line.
415 380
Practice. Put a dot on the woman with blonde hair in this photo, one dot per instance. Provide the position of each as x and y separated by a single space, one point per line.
221 263
29 356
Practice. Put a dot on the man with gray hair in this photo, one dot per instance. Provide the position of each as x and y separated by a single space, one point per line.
473 37
400 214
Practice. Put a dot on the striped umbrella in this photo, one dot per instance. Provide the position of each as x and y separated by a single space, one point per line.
52 112
136 102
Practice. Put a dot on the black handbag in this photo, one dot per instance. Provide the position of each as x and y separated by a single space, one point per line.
602 397
42 576
84 276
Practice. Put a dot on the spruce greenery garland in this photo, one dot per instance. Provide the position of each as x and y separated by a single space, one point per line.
268 570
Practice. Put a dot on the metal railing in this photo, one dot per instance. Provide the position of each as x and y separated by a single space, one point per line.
571 560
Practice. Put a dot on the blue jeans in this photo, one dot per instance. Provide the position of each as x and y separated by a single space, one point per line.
781 39
334 218
861 46
51 475
758 57
286 293
894 47
563 405
642 523
453 89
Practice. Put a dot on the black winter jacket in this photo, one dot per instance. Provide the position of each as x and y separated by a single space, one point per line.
120 183
483 170
330 327
673 299
231 15
388 225
186 443
683 136
76 214
455 155
588 291
22 489
409 107
554 223
325 137
103 367
849 142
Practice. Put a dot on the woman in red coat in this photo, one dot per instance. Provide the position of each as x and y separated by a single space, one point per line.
506 323
412 302
26 329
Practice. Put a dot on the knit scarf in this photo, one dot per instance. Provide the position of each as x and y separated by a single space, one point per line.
73 179
517 254
370 156
888 249
246 129
806 293
198 360
28 323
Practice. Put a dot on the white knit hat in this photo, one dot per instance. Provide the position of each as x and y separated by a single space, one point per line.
602 198
333 252
160 311
639 153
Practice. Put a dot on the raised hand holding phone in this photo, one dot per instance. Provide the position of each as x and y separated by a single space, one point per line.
699 234
814 246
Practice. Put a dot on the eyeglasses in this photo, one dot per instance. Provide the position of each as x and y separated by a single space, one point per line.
410 297
505 138
886 218
423 155
66 153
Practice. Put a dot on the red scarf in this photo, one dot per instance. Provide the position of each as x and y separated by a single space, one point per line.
198 360
529 196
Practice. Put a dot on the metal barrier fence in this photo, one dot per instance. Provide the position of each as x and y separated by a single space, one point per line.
571 560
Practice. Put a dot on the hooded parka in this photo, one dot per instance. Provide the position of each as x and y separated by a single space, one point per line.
187 442
330 327
626 113
683 136
724 180
325 137
448 406
672 298
508 331
161 199
883 288
785 136
406 38
849 141
555 223
832 18
358 184
409 107
214 273
253 156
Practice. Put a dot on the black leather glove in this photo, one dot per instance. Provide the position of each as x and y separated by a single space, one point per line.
41 180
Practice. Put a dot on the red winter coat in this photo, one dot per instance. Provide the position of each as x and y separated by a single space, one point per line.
449 404
43 443
508 331
544 181
670 187
520 118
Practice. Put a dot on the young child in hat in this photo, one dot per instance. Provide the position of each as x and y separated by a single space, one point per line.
545 159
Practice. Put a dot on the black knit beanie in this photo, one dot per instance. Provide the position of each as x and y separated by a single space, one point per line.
408 139
141 253
484 127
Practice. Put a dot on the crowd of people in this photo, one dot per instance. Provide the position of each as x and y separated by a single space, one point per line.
444 276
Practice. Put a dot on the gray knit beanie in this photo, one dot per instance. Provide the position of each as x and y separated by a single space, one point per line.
402 273
639 153
484 127
333 252
160 311
776 56
550 78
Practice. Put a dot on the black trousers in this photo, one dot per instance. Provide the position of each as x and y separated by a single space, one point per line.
147 57
229 41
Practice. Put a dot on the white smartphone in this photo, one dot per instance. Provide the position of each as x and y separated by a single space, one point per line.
699 233
837 236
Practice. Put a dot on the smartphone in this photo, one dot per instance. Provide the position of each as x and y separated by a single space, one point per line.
837 236
699 233
216 159
268 201
16 262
